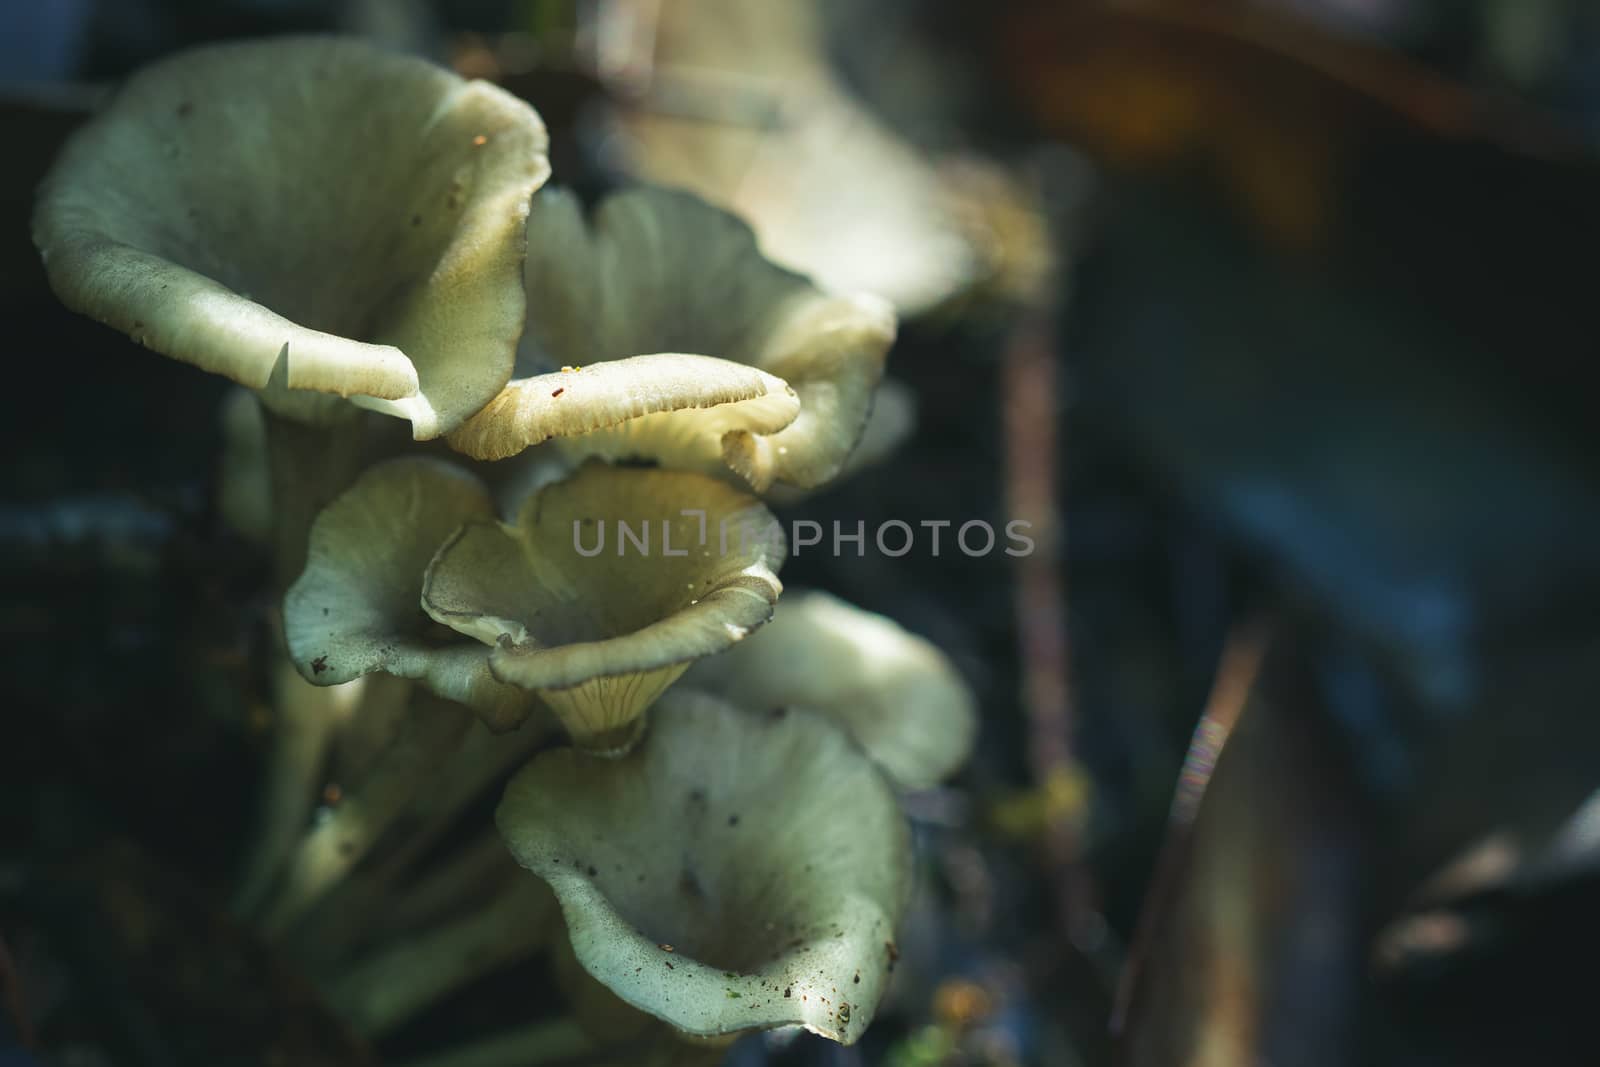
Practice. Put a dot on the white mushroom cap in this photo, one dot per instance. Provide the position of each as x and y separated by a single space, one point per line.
691 348
895 692
315 210
355 609
596 624
737 871
831 189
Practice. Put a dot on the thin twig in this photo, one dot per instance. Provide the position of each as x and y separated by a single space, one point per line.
1237 671
1029 416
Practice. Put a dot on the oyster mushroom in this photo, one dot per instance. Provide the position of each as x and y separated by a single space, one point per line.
355 609
735 872
609 584
657 330
743 107
313 209
896 693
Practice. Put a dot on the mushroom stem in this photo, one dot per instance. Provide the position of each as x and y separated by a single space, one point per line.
484 760
343 917
305 717
547 1041
308 465
331 850
472 870
362 911
387 987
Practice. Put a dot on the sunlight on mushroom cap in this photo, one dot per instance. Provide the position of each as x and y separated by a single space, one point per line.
634 300
355 609
607 586
735 872
744 108
352 215
895 692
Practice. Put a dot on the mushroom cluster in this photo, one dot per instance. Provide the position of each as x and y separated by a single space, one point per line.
582 599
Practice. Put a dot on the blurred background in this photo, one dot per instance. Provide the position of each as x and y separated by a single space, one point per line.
1274 317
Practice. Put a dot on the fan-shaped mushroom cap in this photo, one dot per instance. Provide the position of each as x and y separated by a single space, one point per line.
610 583
639 299
350 219
355 609
746 109
896 694
736 871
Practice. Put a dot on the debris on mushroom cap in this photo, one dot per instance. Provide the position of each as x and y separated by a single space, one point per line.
354 609
607 586
311 209
896 693
696 351
767 850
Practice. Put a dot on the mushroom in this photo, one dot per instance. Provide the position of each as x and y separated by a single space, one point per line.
356 607
608 585
744 107
736 871
308 209
314 218
896 693
657 330
354 611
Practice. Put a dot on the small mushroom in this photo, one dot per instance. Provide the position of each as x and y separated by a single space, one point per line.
608 585
355 609
657 330
896 693
311 209
734 872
